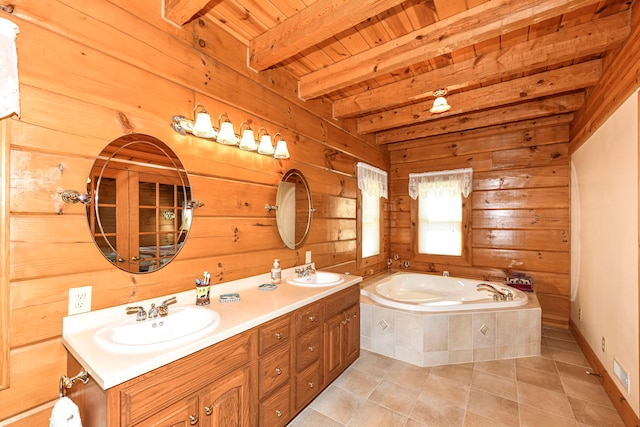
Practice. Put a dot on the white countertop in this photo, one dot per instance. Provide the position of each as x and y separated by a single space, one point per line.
110 368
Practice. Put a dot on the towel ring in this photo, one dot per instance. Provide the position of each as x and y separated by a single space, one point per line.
67 382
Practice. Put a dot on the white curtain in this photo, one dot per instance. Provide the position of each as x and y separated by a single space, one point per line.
9 87
372 181
446 183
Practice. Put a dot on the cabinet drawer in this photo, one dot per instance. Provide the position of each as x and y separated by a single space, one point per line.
342 300
273 333
307 317
276 410
274 370
308 349
307 385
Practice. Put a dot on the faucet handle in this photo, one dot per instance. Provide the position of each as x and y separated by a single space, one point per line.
138 311
163 310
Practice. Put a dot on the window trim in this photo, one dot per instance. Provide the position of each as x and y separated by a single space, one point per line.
373 259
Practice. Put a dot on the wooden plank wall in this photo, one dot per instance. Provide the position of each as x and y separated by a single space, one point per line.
520 203
92 71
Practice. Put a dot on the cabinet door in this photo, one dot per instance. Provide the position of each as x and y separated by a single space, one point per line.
333 347
226 401
352 334
181 414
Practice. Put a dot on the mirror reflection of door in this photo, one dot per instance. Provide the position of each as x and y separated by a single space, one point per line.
139 218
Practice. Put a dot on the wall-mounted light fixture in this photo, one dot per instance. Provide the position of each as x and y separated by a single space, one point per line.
440 104
202 127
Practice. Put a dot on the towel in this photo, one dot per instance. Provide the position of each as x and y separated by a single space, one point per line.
9 86
65 414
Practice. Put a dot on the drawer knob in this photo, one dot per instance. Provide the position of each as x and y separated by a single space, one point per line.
311 349
312 318
278 371
278 413
208 410
278 336
344 322
310 384
193 419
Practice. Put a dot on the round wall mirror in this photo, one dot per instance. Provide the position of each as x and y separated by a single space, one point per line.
294 209
141 207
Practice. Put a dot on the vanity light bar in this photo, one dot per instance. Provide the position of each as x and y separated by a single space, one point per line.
202 127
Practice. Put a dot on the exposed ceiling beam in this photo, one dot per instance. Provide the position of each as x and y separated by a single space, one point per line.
574 42
312 25
480 119
475 25
181 11
547 83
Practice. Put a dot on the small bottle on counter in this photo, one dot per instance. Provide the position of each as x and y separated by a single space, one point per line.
276 273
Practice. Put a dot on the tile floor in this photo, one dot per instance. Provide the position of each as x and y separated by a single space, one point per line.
548 390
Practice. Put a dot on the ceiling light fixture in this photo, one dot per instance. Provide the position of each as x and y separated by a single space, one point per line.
440 104
202 127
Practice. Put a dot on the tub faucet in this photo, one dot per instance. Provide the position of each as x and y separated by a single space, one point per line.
304 272
498 295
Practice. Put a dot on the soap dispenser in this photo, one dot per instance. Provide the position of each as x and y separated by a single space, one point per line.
276 273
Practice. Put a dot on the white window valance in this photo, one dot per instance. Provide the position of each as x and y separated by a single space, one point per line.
449 181
372 180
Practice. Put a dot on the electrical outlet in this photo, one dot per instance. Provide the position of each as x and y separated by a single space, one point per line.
580 314
307 257
79 300
604 345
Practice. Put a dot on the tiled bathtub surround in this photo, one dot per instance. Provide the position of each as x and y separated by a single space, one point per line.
431 339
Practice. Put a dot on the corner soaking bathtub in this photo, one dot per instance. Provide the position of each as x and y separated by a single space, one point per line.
426 292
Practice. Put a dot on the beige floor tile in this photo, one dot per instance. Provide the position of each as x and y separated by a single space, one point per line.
560 334
474 420
595 415
538 363
394 397
562 344
532 417
502 368
493 407
493 384
373 363
585 387
338 404
547 380
408 375
443 390
570 357
372 415
544 400
415 423
312 418
359 382
436 413
462 373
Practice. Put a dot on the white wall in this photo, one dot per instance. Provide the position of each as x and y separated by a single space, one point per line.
605 243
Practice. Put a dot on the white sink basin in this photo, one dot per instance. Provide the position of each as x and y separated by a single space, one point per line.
180 326
319 278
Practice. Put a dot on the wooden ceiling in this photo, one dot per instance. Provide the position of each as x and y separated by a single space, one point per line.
379 61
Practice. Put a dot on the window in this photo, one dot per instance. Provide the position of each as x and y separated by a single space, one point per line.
442 214
372 183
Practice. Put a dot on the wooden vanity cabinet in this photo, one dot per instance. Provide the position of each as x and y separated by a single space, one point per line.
341 332
261 377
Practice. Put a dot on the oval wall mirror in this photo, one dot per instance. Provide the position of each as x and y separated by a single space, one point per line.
141 206
294 209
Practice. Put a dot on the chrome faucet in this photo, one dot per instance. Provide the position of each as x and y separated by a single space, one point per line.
155 311
304 272
498 295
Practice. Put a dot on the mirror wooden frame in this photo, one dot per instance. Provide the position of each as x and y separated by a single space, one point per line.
280 212
5 357
141 159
